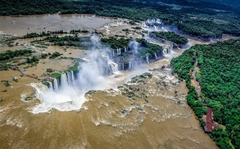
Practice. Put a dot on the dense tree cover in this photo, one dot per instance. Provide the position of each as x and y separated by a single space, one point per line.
171 36
115 43
64 41
220 68
11 54
148 49
137 12
199 6
207 28
182 66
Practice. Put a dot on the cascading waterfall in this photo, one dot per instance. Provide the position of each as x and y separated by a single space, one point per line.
55 83
153 21
118 51
112 67
122 66
141 62
156 55
171 47
144 25
69 77
92 76
158 21
134 63
130 64
125 50
158 25
50 86
165 51
152 24
168 51
72 76
64 81
113 53
163 28
147 58
155 27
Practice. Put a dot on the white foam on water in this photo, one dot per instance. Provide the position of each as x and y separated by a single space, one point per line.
91 76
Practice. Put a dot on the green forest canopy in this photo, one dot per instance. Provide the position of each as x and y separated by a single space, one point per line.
171 36
220 85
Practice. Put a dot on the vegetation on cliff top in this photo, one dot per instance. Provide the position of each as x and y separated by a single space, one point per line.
115 43
171 36
220 68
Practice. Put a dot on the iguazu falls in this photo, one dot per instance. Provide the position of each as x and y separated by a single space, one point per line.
119 74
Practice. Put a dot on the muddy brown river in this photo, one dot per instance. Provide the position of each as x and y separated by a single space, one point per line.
156 115
107 119
52 22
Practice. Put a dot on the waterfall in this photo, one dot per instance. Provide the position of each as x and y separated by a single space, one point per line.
113 53
130 64
151 21
72 76
166 51
55 83
69 77
171 47
50 86
147 58
159 21
122 66
144 25
133 63
64 80
155 27
125 50
118 51
112 67
155 55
